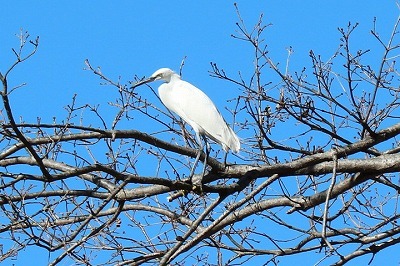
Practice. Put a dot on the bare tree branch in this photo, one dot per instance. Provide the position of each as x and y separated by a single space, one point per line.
318 171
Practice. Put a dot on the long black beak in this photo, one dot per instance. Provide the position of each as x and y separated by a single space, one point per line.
143 81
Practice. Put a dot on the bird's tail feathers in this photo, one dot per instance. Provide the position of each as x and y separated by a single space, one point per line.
228 139
233 141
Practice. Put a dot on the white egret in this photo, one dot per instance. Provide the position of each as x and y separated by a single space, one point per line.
196 109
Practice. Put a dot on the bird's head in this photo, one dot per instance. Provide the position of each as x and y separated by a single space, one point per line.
164 74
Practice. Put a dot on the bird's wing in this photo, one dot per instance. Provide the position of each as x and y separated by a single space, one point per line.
197 109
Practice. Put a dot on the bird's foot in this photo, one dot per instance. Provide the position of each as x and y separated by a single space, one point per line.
198 189
197 184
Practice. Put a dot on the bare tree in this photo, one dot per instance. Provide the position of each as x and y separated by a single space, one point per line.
317 172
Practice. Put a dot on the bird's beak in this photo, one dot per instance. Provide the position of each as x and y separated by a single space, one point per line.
143 81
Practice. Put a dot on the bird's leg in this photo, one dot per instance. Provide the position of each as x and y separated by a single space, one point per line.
226 156
199 183
197 157
206 157
195 163
194 187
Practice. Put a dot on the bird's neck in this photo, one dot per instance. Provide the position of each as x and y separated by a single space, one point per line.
175 76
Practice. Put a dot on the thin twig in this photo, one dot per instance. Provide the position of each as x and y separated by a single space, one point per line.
173 252
328 195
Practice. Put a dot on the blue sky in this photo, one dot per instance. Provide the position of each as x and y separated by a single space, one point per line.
136 38
128 38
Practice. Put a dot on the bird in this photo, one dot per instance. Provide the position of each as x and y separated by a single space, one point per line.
196 109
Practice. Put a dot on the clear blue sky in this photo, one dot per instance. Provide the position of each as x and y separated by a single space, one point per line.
128 38
138 37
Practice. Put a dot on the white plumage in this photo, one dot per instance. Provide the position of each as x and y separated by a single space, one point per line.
195 108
